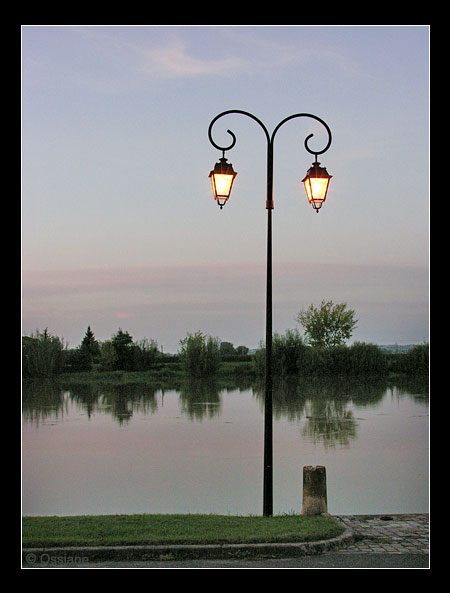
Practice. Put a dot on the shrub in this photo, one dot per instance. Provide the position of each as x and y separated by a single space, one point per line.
288 350
146 354
417 360
200 355
367 359
42 355
291 356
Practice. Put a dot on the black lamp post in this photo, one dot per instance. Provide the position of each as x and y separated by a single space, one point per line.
316 185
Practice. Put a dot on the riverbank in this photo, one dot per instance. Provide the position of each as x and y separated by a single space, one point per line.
169 376
240 375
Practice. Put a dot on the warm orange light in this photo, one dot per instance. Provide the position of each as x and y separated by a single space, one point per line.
222 177
316 185
316 189
221 185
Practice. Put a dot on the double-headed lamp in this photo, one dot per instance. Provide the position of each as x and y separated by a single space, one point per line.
222 177
316 185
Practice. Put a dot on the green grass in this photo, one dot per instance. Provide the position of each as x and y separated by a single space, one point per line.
111 530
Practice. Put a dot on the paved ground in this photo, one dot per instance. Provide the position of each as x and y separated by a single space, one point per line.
391 534
383 541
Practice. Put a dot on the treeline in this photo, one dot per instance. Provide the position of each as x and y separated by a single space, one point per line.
292 356
45 356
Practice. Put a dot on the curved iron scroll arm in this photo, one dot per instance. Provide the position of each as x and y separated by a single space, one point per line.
315 152
224 148
270 140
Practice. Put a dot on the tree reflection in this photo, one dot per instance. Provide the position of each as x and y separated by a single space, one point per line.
329 422
121 401
324 404
42 400
200 398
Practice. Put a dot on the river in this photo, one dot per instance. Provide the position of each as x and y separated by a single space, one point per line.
199 449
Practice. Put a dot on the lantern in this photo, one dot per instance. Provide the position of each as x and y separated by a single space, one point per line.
222 177
316 185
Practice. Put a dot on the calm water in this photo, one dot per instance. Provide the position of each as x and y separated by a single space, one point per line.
200 449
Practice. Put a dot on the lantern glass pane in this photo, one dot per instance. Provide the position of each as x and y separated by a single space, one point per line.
222 185
316 188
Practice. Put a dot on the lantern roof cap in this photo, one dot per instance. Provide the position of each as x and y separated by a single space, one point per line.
223 168
316 171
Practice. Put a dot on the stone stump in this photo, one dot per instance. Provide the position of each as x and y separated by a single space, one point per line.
314 490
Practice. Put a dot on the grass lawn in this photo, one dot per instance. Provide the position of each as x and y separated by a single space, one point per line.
111 530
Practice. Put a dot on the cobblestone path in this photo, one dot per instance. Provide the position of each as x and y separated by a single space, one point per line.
392 534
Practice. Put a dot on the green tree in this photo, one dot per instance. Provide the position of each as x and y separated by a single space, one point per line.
327 326
108 356
242 350
200 354
123 345
89 344
226 348
87 354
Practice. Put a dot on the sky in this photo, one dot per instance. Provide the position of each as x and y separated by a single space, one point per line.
119 225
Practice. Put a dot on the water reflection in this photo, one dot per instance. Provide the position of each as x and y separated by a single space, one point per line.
330 423
197 447
200 398
325 406
42 400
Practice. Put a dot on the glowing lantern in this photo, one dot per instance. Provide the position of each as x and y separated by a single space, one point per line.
222 177
316 185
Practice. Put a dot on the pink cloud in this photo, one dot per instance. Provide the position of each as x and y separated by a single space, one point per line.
124 315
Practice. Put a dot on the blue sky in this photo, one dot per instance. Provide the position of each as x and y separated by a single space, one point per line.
119 226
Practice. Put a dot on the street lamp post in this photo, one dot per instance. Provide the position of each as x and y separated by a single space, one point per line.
316 185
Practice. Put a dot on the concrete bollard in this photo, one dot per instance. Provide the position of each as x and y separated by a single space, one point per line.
314 490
